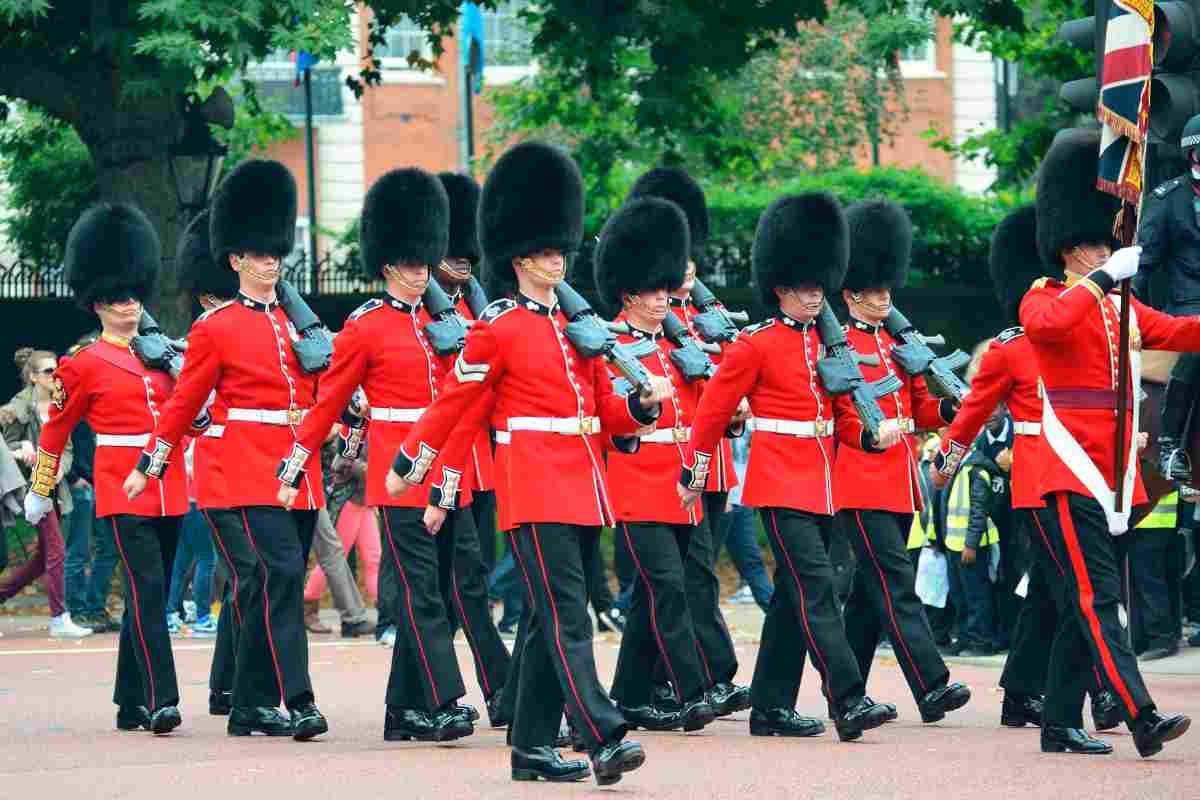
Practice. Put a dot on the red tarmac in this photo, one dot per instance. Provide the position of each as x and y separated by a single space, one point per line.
57 740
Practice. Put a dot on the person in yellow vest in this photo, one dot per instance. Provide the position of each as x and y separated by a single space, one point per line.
928 530
1154 582
972 546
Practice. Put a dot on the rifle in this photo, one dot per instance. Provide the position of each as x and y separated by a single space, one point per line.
476 298
714 323
689 356
916 358
154 349
447 331
314 351
591 338
840 374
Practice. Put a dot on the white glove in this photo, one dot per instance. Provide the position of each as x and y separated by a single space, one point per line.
36 507
1123 263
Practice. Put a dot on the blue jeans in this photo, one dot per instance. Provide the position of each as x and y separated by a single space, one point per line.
972 590
739 534
195 543
505 583
87 594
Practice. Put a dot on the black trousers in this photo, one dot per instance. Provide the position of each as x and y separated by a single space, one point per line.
425 672
1091 559
884 599
599 593
387 601
558 663
266 549
223 672
465 594
483 512
803 616
1037 619
1155 564
145 663
659 624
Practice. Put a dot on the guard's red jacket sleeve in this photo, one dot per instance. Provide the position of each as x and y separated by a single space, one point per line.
201 371
738 373
992 385
1049 317
56 433
337 385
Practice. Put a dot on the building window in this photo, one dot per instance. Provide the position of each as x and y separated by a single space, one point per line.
921 58
403 38
506 36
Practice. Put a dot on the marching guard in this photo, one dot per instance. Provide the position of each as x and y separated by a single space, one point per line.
245 352
112 259
800 253
875 483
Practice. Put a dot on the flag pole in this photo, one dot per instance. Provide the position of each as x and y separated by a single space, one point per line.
1128 237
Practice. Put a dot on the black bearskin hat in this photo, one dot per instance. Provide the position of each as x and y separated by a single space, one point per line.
405 219
1013 259
198 272
463 192
672 183
880 245
1070 209
532 200
254 211
643 246
801 239
112 249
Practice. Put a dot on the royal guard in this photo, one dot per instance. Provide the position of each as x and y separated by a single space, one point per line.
112 260
700 575
213 285
245 352
800 253
642 255
1073 327
553 408
466 593
1008 373
876 487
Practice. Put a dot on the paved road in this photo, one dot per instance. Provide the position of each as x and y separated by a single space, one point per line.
57 740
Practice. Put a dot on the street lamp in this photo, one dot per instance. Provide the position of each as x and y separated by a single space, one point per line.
197 154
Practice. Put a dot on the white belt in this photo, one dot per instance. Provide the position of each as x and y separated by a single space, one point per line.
214 431
1027 428
805 429
122 439
567 426
267 416
668 436
396 414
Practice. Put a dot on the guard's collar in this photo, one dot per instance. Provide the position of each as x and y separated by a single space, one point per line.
400 305
536 307
866 327
638 333
113 339
679 302
251 303
794 323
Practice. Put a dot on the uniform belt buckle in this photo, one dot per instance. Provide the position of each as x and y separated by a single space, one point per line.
586 425
906 425
679 435
823 427
295 416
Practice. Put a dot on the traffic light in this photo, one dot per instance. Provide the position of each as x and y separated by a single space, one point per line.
1083 94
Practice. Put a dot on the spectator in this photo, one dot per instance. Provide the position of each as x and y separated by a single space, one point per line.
505 584
1155 582
25 415
195 545
738 532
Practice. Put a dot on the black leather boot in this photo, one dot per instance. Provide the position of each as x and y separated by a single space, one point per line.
651 717
891 714
531 764
861 715
1153 729
697 713
1173 460
948 698
244 721
220 703
307 722
1072 740
727 697
404 724
496 717
133 718
1106 714
1020 710
613 759
165 720
783 722
464 711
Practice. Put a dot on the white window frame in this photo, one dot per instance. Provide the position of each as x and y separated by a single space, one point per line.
500 75
926 66
395 69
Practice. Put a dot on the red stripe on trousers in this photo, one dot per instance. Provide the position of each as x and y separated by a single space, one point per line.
1049 547
466 626
137 611
1086 599
803 604
662 649
266 607
537 546
887 598
412 620
237 611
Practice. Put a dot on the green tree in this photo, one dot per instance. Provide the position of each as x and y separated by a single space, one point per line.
118 72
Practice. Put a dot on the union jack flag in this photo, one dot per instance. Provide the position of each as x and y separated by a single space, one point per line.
1124 107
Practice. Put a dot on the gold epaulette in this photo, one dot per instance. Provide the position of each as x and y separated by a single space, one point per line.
45 473
1040 283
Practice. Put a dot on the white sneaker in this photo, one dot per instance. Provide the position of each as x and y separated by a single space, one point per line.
189 612
741 596
63 627
388 639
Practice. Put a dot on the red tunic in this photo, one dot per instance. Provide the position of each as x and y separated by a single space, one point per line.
884 481
643 483
1074 333
519 365
722 477
382 347
1008 373
208 461
105 384
243 350
482 466
774 365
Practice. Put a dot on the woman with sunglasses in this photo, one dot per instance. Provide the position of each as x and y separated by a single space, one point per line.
111 261
25 415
